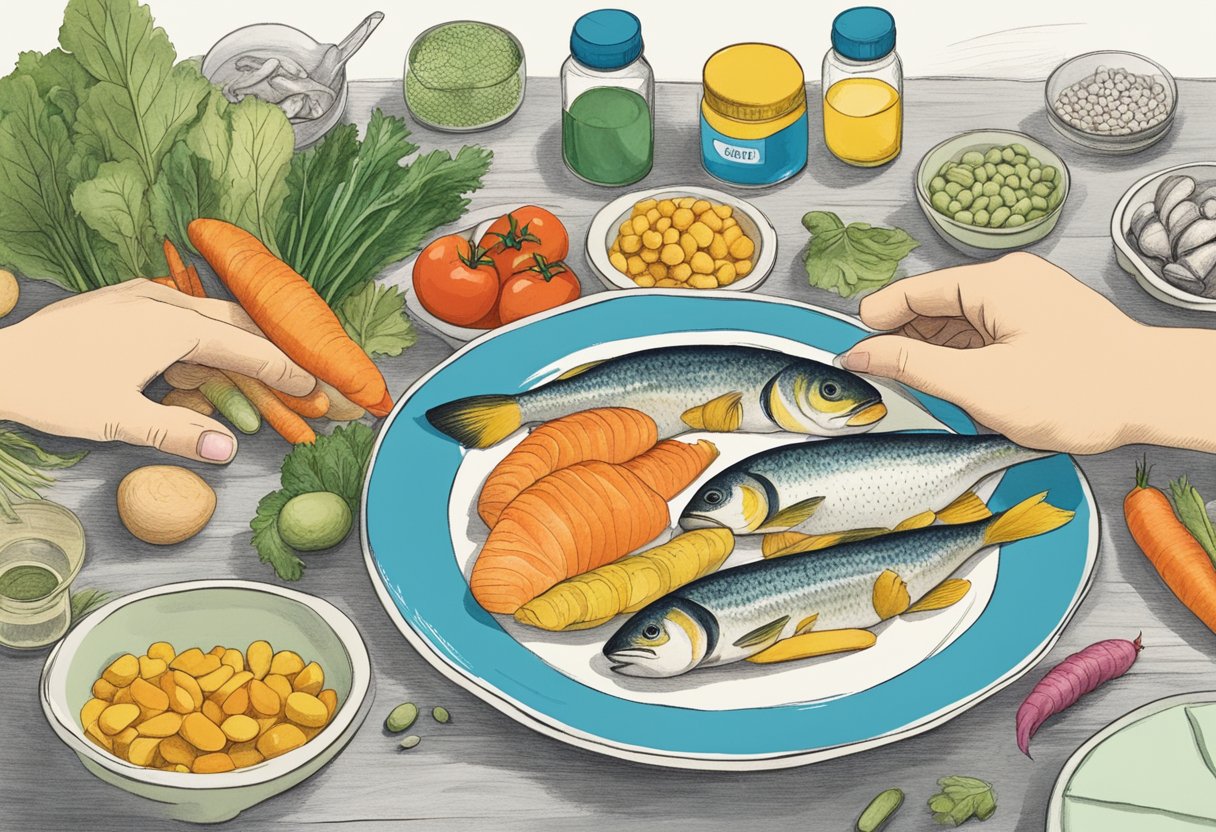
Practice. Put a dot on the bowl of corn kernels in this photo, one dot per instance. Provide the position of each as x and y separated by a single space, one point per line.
681 237
208 696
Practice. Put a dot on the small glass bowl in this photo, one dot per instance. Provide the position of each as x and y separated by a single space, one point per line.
1083 66
45 536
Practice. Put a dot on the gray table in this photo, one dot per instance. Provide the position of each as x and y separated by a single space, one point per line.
484 771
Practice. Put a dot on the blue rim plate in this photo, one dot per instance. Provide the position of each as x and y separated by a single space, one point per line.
410 556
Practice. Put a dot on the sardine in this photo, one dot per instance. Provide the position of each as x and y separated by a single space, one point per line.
813 604
813 494
714 388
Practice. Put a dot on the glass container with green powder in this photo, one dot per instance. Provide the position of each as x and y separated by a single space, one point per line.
463 76
607 100
41 552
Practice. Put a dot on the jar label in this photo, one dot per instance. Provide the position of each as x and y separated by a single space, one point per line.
740 154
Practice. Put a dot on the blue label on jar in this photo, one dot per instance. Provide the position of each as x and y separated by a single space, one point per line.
754 161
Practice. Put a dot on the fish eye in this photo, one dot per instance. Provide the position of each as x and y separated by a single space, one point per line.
831 391
713 496
651 631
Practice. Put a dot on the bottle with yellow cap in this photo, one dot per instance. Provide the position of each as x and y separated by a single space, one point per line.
753 115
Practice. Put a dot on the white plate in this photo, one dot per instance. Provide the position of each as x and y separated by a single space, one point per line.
1132 261
750 218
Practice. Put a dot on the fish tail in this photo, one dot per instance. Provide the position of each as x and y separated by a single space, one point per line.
1028 518
477 421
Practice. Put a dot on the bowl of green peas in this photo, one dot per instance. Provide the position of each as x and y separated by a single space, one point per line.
988 191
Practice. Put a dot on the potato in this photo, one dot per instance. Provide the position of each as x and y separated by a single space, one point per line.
212 763
9 292
280 739
147 695
306 710
286 663
702 233
640 224
644 280
202 733
122 671
117 717
162 650
649 255
143 750
682 218
164 504
237 703
104 690
177 751
742 248
240 728
618 262
163 725
258 655
91 710
151 668
657 270
701 263
329 697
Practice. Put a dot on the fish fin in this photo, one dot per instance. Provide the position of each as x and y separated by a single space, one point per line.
806 624
1028 518
821 643
945 594
779 541
579 370
917 521
965 509
763 633
890 595
815 542
792 515
477 421
723 414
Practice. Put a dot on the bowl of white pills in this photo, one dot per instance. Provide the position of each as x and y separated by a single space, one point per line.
1112 102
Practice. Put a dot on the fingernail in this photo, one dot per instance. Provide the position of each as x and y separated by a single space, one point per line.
858 361
215 446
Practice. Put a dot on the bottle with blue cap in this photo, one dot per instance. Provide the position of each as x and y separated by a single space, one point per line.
863 88
607 100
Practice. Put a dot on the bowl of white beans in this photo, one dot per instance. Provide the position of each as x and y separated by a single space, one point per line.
1112 102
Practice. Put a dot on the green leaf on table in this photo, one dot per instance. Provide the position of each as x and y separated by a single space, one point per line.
854 258
962 798
254 179
114 204
336 463
374 318
86 600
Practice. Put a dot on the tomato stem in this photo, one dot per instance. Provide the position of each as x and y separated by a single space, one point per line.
546 269
515 236
475 258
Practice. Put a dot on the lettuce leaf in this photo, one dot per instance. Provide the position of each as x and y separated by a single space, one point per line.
114 204
253 182
853 259
374 318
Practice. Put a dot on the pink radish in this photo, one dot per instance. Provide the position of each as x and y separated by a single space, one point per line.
1071 679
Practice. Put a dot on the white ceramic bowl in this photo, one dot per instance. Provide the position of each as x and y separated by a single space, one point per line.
204 613
605 224
1083 66
974 240
1131 260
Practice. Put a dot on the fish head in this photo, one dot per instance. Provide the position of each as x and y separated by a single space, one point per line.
734 500
822 401
668 637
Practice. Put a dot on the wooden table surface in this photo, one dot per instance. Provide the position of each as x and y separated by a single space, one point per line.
485 772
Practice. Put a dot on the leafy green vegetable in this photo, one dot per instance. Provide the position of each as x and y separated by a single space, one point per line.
23 467
852 259
961 799
86 600
335 463
107 145
374 318
1194 515
353 208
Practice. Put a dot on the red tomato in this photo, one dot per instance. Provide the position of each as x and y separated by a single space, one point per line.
515 237
541 287
455 282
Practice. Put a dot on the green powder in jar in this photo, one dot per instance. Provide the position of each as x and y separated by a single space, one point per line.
464 75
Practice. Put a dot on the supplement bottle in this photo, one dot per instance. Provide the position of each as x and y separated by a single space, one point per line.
863 88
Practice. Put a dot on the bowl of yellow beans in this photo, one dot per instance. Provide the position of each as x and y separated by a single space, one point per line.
681 237
208 696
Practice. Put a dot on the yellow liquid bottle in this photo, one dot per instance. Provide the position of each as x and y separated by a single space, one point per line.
862 121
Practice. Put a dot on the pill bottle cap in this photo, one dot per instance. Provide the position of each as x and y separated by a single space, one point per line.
606 39
753 82
864 33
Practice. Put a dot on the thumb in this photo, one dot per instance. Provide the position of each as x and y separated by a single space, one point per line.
174 430
944 372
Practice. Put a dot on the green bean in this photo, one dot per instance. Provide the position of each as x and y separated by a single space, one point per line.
1013 181
1033 163
993 156
981 173
1041 189
1008 196
1019 149
961 175
991 188
1036 174
1021 170
953 188
1049 173
1035 214
979 203
1004 169
1008 153
954 207
880 811
964 198
1038 202
977 188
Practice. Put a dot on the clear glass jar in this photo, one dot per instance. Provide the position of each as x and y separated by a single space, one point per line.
863 82
607 100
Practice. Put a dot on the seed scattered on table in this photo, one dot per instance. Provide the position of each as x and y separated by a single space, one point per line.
401 717
411 741
441 714
1114 102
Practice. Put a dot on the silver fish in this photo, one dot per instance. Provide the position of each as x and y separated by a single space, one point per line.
715 388
817 603
854 486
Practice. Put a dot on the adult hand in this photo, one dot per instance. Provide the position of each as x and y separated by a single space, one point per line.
1031 352
79 366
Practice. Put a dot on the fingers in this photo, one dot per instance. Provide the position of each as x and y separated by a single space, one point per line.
218 310
938 294
174 430
228 347
939 371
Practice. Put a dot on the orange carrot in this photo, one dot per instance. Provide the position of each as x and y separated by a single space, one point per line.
278 415
196 282
610 434
290 312
180 274
313 406
575 519
164 281
671 466
1173 551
